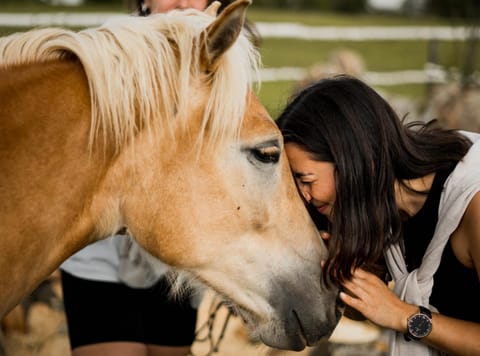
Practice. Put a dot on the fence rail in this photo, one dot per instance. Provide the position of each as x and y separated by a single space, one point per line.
430 74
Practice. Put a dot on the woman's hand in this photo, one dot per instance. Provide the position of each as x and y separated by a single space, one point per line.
373 298
382 307
325 236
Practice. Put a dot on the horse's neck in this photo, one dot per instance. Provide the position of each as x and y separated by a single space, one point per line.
46 175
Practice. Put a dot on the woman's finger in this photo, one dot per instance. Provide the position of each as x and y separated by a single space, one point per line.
324 235
352 302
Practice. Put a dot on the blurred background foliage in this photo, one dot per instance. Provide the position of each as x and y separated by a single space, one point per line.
459 58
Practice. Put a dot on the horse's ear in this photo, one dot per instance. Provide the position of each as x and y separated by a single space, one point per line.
212 9
220 35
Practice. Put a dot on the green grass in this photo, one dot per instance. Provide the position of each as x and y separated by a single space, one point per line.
416 92
4 31
318 18
274 95
377 55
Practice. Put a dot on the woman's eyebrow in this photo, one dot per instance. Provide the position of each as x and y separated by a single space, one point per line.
301 174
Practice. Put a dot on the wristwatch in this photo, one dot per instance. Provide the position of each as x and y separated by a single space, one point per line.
419 324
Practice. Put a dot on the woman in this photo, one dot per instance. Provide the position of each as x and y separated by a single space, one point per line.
117 301
410 193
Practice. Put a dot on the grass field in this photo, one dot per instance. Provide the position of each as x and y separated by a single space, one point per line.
379 56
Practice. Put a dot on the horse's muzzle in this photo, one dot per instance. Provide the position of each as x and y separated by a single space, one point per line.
302 319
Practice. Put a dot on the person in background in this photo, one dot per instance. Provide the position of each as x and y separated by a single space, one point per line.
407 192
147 7
116 303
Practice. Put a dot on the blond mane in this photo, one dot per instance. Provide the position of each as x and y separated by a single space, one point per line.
137 78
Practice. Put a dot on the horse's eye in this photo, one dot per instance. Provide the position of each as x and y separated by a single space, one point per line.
269 154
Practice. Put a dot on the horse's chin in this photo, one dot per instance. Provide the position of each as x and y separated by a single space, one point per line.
274 333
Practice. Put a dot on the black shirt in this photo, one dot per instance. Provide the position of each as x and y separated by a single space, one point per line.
456 289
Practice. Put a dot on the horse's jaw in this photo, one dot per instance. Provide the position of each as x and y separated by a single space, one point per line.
268 294
276 309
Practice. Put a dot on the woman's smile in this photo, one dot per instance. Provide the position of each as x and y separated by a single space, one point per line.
321 208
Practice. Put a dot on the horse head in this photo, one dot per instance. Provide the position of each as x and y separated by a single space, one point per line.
217 199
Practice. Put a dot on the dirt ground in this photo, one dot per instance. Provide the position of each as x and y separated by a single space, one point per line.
45 334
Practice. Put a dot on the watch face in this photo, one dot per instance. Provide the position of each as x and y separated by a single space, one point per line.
419 325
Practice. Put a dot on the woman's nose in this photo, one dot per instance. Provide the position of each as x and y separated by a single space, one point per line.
306 194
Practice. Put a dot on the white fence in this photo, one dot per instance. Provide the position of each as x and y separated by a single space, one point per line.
277 29
432 73
287 30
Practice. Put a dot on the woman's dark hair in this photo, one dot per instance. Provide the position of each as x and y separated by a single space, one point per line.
250 28
344 121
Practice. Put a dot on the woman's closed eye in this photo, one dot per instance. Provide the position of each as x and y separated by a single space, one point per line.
304 179
302 182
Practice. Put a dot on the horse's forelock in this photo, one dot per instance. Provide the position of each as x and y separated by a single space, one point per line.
136 78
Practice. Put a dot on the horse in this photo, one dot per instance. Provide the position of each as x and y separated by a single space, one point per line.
152 124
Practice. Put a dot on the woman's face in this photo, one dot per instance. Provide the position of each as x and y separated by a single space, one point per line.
157 6
315 179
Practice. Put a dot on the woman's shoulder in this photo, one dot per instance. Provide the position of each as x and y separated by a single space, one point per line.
466 238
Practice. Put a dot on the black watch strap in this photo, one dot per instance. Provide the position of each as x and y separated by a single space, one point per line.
425 311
